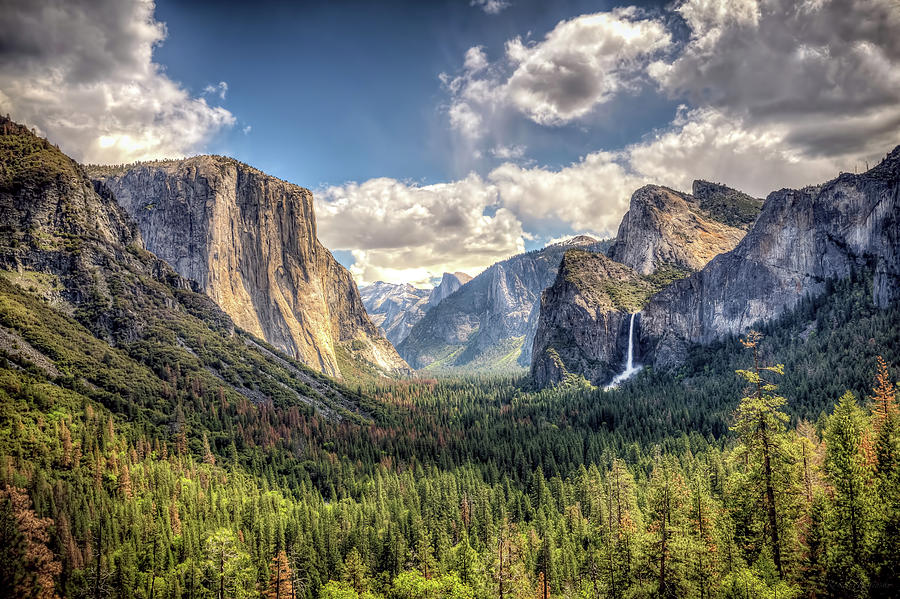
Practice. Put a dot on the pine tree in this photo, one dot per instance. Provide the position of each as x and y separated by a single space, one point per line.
665 497
760 422
281 578
851 478
28 568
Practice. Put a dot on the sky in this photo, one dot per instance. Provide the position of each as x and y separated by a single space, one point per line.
447 135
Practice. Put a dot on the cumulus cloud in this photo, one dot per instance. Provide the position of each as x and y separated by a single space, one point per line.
826 73
491 7
591 194
580 64
402 232
82 73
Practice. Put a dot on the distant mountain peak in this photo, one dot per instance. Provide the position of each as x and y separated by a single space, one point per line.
577 241
450 282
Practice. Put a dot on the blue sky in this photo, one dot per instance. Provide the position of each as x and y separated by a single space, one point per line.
350 90
445 136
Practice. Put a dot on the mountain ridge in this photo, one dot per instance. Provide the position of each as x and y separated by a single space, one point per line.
800 240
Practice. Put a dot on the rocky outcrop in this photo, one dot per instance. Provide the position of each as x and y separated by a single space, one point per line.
584 318
395 308
666 227
488 323
664 236
248 240
801 239
450 282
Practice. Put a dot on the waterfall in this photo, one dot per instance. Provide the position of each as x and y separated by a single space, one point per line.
630 368
629 364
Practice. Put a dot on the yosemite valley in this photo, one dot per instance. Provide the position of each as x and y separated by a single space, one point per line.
450 300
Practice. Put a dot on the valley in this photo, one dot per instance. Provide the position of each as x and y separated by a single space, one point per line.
195 402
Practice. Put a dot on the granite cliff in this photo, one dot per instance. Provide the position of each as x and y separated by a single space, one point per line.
488 323
248 240
82 299
666 227
802 239
450 282
584 316
664 236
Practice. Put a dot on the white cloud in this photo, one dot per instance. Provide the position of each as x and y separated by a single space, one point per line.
82 73
580 64
401 232
513 152
475 60
825 73
491 7
220 89
707 144
590 194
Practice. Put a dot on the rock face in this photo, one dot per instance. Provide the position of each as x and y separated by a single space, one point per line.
248 240
54 223
488 323
65 239
450 282
584 318
801 239
395 308
664 236
666 227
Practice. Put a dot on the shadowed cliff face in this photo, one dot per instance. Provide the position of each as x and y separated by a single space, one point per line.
801 239
583 326
248 241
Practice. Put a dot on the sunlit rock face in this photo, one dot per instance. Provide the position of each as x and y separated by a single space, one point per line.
249 241
663 226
